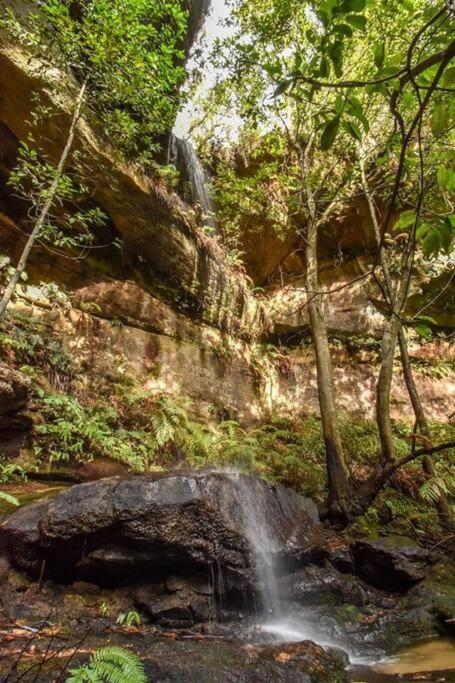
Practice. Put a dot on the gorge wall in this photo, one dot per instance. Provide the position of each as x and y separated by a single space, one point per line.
168 310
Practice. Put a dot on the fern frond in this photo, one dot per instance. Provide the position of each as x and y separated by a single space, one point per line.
110 665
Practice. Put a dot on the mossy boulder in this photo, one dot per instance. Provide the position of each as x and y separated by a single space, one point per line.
437 595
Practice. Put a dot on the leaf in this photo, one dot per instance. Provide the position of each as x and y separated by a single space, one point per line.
422 230
431 243
423 331
379 54
357 21
324 67
354 130
335 52
439 119
339 104
12 500
406 219
446 178
353 5
272 69
329 133
426 319
343 29
449 76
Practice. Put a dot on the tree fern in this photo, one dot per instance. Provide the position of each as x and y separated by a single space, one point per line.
110 665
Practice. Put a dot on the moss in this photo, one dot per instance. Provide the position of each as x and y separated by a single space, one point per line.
348 614
436 594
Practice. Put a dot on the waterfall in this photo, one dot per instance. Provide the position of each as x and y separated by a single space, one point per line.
183 156
265 546
256 514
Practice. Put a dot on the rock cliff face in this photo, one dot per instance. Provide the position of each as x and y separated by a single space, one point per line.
167 309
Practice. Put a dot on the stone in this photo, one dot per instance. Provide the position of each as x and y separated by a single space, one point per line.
14 390
342 559
324 586
169 610
436 593
391 563
20 538
147 526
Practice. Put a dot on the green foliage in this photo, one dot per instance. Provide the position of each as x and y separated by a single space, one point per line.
110 665
104 609
131 53
11 471
254 190
12 500
66 226
128 619
145 430
27 342
70 432
432 489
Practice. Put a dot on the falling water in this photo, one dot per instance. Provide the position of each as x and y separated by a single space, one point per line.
256 518
263 542
182 154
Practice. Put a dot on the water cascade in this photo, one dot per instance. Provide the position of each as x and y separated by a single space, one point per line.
256 519
183 156
264 544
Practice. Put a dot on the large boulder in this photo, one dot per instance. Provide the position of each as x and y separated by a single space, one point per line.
391 563
119 529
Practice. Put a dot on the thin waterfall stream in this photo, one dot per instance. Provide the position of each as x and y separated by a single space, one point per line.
275 616
183 155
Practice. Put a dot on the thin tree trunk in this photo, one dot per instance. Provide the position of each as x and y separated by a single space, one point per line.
11 286
339 498
442 504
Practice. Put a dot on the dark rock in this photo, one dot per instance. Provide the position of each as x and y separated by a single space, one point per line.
342 560
309 662
117 529
169 610
324 586
398 627
20 539
200 609
14 390
14 426
436 594
391 563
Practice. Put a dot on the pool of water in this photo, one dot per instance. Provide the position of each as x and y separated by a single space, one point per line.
28 492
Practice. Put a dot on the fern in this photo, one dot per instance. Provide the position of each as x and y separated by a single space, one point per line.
128 619
110 665
12 500
431 490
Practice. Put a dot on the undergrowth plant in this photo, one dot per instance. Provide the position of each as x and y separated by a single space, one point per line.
110 665
27 342
128 619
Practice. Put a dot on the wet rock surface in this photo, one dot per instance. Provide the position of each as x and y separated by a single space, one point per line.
391 563
123 529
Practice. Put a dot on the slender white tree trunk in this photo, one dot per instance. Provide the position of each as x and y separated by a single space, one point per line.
442 504
11 286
